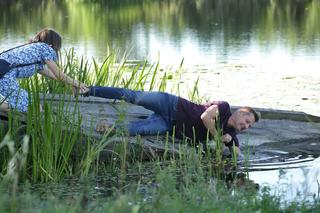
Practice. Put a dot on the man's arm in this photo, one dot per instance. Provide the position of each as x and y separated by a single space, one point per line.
227 139
236 150
208 118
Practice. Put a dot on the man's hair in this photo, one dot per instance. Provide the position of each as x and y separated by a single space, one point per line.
252 111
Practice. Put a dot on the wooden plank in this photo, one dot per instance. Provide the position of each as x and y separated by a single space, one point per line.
275 125
272 114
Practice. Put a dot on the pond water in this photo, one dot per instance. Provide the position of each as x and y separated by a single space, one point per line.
292 176
298 180
261 53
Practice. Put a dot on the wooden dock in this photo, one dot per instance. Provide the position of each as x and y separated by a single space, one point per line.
275 126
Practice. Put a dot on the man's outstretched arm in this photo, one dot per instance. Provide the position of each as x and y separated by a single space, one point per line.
208 118
227 140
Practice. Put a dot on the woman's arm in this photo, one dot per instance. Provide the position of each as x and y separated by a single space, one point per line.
208 118
56 74
47 72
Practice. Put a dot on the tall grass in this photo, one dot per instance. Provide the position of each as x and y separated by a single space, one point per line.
54 134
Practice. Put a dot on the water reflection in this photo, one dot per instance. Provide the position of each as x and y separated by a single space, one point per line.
300 184
293 174
197 30
270 50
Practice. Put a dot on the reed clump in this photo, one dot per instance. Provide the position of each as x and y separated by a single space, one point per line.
55 132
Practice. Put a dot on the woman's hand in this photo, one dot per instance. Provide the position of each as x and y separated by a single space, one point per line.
80 90
83 88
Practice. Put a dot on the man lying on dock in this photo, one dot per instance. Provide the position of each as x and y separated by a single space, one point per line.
198 122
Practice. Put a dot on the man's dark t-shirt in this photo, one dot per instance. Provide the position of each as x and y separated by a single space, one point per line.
189 123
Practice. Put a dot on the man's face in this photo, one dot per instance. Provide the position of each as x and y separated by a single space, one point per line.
243 120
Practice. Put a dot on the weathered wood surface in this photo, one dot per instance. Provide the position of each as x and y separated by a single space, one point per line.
275 126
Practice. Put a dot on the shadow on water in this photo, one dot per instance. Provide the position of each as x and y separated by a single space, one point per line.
291 169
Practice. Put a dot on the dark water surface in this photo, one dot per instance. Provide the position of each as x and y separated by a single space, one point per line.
269 50
200 31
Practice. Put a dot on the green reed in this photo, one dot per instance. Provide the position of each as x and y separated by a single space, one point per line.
54 133
92 154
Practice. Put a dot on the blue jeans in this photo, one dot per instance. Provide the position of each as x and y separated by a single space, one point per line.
163 105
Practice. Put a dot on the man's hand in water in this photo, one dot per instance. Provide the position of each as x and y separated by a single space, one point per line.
226 138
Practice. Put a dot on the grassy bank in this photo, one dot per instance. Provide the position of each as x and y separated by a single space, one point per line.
173 187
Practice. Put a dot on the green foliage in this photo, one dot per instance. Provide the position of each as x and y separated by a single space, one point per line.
54 133
177 187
